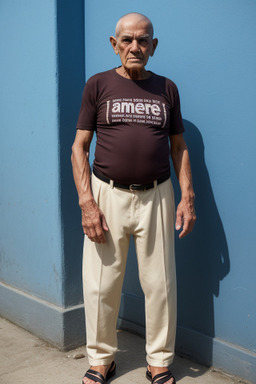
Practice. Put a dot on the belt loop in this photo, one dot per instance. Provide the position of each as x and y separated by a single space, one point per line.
111 183
155 183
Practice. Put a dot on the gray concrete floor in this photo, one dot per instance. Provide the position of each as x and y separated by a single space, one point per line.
25 359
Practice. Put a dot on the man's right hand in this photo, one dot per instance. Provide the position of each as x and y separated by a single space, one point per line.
93 222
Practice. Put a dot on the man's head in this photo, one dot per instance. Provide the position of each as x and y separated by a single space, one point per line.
133 17
134 42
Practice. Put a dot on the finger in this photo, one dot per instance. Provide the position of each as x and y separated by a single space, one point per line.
85 231
100 234
91 233
178 223
187 227
184 232
97 235
104 223
84 227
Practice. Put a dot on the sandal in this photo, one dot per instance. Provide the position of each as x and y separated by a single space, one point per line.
160 378
97 377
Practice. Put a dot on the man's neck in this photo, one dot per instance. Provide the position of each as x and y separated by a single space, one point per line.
133 74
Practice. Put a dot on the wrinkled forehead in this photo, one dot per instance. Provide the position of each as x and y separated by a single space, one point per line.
131 25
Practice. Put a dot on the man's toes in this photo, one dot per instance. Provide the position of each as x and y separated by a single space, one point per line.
89 381
170 381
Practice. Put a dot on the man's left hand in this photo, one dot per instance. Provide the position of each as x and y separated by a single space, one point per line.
185 216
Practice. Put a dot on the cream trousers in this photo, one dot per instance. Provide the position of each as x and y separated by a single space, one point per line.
149 217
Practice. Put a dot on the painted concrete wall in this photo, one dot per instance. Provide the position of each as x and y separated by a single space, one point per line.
29 186
207 48
42 77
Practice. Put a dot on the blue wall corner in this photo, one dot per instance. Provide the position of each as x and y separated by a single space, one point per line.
71 79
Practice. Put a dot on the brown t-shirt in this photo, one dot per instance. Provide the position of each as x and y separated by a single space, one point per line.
132 120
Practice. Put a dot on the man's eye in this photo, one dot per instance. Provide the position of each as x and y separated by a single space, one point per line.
143 41
127 40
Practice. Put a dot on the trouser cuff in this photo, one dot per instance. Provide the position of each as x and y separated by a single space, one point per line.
159 363
95 362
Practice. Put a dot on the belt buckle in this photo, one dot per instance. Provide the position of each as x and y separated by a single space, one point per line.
135 187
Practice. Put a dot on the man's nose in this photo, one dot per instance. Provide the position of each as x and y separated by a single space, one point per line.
135 46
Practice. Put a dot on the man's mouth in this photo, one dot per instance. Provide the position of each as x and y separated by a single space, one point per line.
134 58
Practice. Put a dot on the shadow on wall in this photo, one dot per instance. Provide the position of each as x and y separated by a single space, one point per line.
71 79
202 258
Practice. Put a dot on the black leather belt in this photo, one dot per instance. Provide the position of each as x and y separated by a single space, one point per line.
131 187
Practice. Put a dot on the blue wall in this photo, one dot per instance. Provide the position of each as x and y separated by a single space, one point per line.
42 77
30 235
208 49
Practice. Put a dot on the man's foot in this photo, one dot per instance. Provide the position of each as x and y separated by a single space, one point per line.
99 373
158 373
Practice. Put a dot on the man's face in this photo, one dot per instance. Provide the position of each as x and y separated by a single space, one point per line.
134 44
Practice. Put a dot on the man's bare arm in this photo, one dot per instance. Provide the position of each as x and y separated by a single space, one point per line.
185 215
93 220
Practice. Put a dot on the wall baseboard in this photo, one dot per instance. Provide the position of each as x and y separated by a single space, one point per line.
64 328
61 327
229 358
218 353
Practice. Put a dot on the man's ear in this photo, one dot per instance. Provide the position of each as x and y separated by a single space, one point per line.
154 42
114 44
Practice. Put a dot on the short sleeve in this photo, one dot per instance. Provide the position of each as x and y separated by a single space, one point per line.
176 123
88 112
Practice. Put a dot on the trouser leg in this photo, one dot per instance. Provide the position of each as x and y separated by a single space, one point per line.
154 239
103 272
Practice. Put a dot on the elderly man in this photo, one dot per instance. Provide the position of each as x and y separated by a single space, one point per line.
134 113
